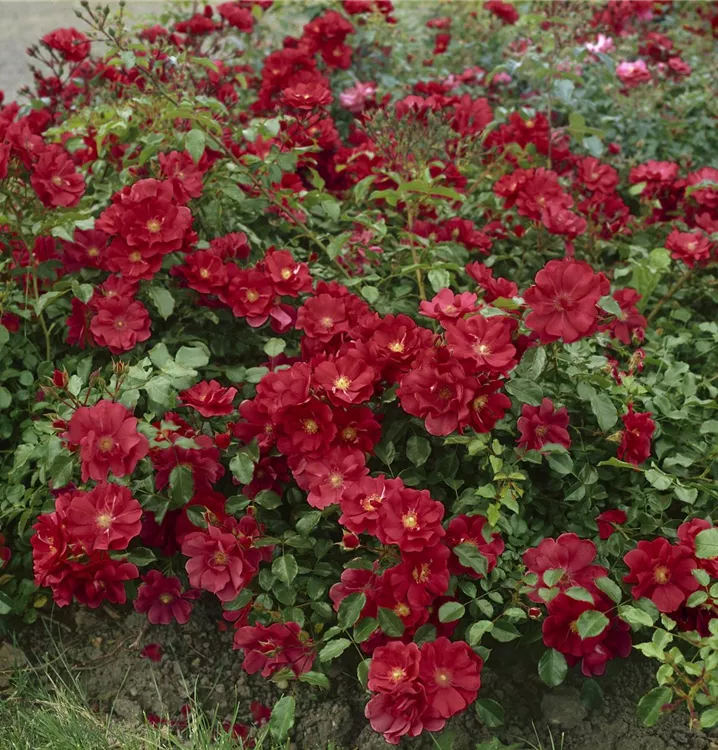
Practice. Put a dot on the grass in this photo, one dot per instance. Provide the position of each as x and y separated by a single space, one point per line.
50 711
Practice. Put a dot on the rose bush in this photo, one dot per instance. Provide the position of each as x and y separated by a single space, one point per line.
396 336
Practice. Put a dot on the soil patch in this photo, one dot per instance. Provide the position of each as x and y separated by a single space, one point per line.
103 649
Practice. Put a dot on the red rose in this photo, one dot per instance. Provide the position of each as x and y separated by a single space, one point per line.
186 176
630 323
687 533
106 518
202 460
120 324
362 500
485 343
250 294
322 317
107 437
608 520
346 380
439 393
72 44
289 277
470 530
307 96
447 306
563 301
161 598
152 651
411 519
55 179
236 16
217 563
87 250
560 629
693 248
329 476
394 668
494 288
570 554
209 398
635 444
205 272
451 675
270 649
423 576
662 573
543 424
306 430
486 406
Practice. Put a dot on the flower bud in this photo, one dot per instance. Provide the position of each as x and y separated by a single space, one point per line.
60 378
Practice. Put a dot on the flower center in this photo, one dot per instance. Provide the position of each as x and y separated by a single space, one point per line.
93 252
336 480
421 574
371 502
57 180
166 598
252 295
397 674
444 393
104 520
119 323
154 226
349 434
562 302
442 677
204 273
105 443
396 346
410 520
479 403
573 626
342 383
136 256
326 322
402 610
541 430
483 349
450 309
661 574
220 558
310 426
286 273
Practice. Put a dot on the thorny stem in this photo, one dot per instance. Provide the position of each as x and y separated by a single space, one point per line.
669 295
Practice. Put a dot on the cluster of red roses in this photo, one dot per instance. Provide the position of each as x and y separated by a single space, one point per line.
420 688
565 578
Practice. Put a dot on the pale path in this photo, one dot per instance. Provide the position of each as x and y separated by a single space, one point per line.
23 22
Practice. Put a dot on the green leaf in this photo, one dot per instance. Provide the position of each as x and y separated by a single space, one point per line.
363 672
580 594
490 712
658 479
707 544
611 589
308 521
141 556
390 623
370 294
192 357
439 279
5 397
418 450
162 300
334 648
451 611
477 631
592 695
4 335
61 470
267 499
242 467
282 719
649 707
552 668
635 617
709 718
194 143
470 557
610 305
526 391
274 347
591 623
285 568
181 486
364 628
315 678
350 609
425 634
604 411
242 600
552 576
504 632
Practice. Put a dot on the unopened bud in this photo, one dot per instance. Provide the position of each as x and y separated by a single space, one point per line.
350 540
60 378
